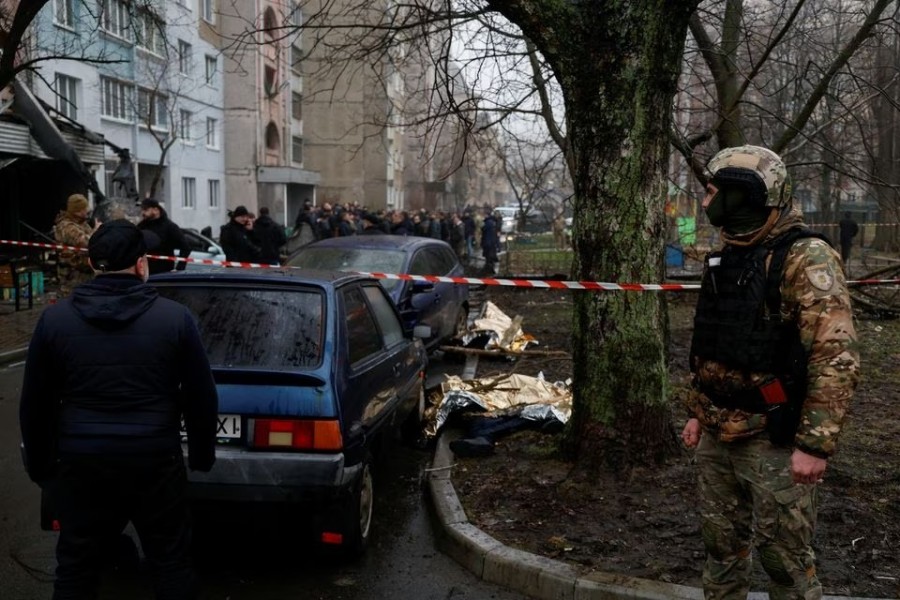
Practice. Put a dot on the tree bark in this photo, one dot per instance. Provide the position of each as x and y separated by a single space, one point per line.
617 63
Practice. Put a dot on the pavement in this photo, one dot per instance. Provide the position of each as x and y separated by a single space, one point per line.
488 559
16 328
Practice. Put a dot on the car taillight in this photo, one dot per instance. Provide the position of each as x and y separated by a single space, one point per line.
296 434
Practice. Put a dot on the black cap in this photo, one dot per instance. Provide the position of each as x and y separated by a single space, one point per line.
150 203
240 211
371 218
119 244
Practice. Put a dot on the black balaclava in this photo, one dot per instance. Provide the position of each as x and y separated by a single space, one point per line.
739 205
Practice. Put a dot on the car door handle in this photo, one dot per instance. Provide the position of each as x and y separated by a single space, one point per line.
396 370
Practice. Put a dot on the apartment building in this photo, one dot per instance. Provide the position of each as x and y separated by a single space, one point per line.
264 117
148 78
353 135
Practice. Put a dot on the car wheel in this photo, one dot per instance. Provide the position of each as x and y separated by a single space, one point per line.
359 512
461 326
412 427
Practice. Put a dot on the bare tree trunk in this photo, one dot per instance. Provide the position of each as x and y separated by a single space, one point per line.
884 167
618 105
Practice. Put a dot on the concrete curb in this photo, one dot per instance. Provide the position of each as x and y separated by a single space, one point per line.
529 574
13 355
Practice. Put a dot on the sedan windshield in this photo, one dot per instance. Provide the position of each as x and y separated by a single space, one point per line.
365 260
247 327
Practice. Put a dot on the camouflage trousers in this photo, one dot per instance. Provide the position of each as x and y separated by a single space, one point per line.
70 278
748 499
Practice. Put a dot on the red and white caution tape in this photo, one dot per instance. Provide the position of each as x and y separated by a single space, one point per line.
596 286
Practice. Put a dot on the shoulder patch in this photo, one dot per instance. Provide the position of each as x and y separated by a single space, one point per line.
821 277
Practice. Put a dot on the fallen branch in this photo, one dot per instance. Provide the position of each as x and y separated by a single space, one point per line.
480 352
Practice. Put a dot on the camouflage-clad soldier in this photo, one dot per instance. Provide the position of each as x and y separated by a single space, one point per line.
72 229
775 364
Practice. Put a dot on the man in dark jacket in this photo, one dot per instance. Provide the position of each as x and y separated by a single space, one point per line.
111 372
371 224
235 237
490 243
848 231
171 238
270 236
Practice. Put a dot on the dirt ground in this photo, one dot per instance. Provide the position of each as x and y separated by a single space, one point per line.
646 525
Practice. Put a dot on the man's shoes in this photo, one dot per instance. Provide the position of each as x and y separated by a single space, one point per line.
472 447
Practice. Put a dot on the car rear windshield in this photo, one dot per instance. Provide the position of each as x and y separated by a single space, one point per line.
365 260
249 327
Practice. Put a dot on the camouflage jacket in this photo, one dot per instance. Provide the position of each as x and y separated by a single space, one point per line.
71 232
814 295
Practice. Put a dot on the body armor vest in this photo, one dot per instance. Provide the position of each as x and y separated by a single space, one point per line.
738 319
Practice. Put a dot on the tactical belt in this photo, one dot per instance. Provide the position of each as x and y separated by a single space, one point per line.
762 399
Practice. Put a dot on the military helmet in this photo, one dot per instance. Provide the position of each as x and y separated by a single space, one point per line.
743 164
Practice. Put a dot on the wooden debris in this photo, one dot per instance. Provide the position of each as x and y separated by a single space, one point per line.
500 352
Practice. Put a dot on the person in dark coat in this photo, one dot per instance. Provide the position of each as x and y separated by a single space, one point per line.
469 224
490 243
171 238
236 239
110 374
401 224
371 224
849 229
270 236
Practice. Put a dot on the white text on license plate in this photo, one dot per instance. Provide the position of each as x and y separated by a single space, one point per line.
227 427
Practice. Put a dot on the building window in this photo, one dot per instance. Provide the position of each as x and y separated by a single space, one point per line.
115 99
64 12
149 33
296 16
209 12
212 140
297 149
188 192
270 22
67 96
115 18
184 125
152 109
212 65
296 56
271 81
296 106
273 140
184 57
214 193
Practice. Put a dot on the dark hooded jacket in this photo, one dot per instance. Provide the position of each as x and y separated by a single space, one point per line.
271 238
238 244
112 370
170 239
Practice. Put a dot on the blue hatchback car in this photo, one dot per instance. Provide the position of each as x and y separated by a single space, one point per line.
314 371
444 307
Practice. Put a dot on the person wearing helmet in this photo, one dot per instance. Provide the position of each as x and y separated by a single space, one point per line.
774 365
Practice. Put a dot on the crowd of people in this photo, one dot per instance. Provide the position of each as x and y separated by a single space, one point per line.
465 231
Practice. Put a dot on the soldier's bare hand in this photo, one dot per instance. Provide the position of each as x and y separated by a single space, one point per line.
806 468
691 433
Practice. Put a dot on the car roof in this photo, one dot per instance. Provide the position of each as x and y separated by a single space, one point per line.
387 242
260 275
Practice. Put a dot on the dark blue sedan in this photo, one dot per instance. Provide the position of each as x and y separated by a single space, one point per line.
314 372
444 307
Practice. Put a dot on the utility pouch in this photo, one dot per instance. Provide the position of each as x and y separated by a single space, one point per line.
782 421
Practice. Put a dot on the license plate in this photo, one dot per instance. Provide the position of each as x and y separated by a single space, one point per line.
228 427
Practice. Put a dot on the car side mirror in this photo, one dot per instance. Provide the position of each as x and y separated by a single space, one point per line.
212 250
422 332
419 287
